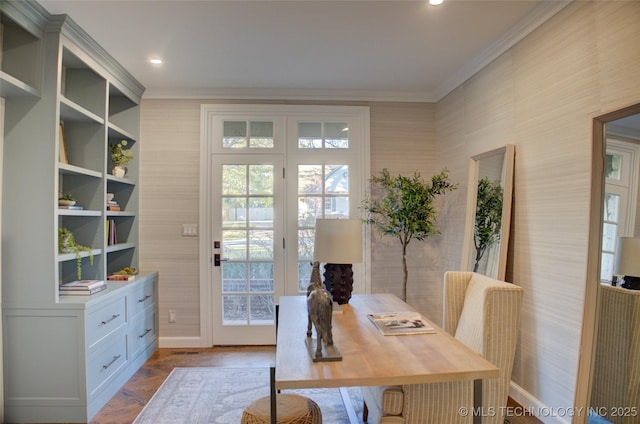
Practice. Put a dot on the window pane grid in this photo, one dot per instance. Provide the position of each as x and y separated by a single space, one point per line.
247 134
323 135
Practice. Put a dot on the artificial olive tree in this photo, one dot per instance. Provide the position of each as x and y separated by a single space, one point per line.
405 207
488 217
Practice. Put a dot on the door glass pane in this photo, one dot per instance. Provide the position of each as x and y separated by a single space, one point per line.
304 275
336 207
336 135
262 309
234 244
260 244
309 208
606 267
234 277
614 166
609 234
611 207
234 212
234 179
234 309
261 135
261 212
309 179
337 179
234 134
305 244
260 179
261 277
310 135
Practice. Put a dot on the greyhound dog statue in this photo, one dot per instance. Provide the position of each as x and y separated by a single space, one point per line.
320 309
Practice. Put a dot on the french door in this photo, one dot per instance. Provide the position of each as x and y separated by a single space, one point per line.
268 172
248 259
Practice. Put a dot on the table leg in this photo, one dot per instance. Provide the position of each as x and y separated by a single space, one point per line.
272 382
477 401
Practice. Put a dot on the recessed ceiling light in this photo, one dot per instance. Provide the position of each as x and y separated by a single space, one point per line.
435 2
155 61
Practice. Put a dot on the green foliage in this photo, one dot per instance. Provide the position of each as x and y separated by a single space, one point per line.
120 155
68 196
405 207
67 244
488 217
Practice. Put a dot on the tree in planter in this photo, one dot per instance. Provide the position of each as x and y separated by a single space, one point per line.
404 207
488 217
67 244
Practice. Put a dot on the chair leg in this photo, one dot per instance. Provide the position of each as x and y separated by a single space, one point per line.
365 412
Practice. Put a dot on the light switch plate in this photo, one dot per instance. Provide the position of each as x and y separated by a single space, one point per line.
189 230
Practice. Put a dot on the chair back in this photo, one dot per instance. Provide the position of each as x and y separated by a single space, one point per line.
484 314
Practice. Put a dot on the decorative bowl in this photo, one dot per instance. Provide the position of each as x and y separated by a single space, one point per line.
64 202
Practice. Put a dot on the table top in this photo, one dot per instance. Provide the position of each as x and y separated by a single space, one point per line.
370 358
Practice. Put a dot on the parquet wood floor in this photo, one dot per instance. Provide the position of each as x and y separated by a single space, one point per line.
125 406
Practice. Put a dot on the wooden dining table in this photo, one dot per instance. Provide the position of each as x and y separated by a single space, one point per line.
370 358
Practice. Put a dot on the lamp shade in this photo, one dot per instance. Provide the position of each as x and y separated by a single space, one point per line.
628 257
338 241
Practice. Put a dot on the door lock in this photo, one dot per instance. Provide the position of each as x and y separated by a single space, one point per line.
217 259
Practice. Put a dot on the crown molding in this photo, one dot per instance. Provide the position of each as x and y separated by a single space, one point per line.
538 16
290 94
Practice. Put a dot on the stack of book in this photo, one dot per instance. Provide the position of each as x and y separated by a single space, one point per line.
82 287
112 205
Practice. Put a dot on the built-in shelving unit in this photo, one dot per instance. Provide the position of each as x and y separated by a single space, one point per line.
66 102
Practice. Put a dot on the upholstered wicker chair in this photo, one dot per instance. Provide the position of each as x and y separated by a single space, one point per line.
482 313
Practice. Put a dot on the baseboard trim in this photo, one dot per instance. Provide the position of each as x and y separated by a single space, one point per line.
531 404
177 342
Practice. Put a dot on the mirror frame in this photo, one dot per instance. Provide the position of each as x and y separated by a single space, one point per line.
472 195
591 300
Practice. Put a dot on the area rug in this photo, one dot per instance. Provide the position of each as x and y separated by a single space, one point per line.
219 395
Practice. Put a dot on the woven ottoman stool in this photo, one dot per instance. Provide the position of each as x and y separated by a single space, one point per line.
290 408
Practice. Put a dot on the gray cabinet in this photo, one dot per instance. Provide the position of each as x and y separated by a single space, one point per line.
66 101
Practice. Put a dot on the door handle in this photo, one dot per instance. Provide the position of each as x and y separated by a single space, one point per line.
217 259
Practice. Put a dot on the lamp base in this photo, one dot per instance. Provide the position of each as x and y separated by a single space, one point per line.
631 283
338 279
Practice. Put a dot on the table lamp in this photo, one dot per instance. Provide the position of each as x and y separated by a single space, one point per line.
628 262
338 244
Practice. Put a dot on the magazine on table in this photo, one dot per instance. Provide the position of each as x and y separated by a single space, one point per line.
401 323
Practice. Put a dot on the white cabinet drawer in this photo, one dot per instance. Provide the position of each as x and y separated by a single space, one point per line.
140 297
142 331
104 320
104 363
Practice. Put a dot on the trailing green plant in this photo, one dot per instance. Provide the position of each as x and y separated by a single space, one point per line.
67 244
405 208
488 217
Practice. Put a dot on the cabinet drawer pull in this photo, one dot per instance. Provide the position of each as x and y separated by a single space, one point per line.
145 333
110 319
115 358
144 298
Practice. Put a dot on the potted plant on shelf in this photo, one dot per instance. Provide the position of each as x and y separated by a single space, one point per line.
121 157
67 244
67 200
404 207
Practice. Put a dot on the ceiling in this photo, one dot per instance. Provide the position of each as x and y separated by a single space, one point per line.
400 50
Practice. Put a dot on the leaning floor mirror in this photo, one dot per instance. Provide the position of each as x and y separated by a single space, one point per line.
488 217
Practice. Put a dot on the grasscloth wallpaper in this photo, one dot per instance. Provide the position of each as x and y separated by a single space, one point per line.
541 95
